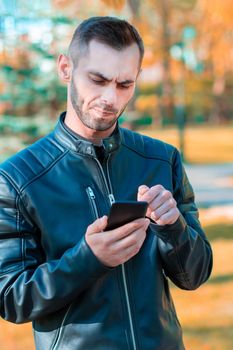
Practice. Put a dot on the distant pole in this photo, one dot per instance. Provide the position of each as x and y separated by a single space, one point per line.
184 52
180 117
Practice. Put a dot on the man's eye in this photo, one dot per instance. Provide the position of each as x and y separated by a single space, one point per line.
99 82
124 86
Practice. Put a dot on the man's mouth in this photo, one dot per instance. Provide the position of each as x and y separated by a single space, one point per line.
104 111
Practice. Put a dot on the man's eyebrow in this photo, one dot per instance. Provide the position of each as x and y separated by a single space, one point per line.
101 76
128 81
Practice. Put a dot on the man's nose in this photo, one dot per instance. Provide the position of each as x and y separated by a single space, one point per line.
109 96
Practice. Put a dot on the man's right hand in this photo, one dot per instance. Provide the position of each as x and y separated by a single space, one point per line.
117 246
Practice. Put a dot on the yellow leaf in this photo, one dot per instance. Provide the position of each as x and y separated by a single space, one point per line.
116 4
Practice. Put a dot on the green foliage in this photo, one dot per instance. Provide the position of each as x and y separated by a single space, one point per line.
28 91
28 64
175 37
219 231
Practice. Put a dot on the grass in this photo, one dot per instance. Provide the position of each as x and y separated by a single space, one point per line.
203 144
206 315
215 230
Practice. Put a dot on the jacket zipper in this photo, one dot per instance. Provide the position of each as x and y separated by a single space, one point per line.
58 335
91 196
108 186
128 306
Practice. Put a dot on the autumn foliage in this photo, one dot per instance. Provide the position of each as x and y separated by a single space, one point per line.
187 69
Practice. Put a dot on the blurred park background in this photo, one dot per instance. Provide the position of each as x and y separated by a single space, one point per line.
184 96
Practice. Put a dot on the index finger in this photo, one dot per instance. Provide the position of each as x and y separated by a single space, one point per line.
151 193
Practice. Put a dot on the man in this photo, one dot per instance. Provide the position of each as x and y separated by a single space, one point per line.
85 288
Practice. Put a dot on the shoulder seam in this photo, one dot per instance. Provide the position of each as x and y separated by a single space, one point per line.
20 190
145 156
10 180
44 171
130 139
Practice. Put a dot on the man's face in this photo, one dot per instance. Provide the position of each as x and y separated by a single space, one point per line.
103 83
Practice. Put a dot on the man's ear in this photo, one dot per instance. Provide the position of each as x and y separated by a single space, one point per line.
64 68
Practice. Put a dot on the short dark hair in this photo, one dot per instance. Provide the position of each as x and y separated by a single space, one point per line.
115 32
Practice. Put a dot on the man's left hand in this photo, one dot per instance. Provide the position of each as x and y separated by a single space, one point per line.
162 206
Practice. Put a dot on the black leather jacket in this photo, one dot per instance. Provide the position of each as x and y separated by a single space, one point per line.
49 194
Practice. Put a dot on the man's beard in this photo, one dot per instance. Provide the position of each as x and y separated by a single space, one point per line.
86 118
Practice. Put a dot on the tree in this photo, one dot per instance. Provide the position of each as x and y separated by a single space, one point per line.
187 67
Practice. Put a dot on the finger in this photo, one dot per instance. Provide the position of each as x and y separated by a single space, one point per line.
128 253
151 193
169 217
156 215
134 239
121 250
131 251
163 203
159 212
125 230
141 191
98 225
133 236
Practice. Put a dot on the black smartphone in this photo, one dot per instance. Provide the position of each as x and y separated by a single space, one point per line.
123 212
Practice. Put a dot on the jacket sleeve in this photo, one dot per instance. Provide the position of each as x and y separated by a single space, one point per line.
30 286
184 248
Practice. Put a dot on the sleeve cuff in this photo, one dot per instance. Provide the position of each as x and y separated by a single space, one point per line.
168 232
88 262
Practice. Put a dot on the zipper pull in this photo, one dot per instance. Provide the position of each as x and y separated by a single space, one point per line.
111 198
91 193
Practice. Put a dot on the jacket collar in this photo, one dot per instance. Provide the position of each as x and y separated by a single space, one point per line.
81 145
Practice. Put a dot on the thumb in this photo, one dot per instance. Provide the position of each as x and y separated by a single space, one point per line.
141 191
98 225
